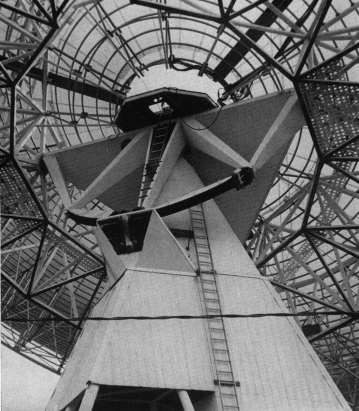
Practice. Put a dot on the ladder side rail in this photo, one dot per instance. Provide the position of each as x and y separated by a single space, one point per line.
154 154
227 388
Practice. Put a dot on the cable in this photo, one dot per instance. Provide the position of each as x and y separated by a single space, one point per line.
193 128
110 138
205 128
354 315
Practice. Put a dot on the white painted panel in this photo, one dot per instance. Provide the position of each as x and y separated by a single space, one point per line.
152 353
280 133
227 251
161 250
304 344
127 161
204 140
167 354
276 366
169 159
181 181
79 366
228 254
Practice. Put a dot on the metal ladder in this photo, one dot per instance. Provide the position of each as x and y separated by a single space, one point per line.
158 145
223 366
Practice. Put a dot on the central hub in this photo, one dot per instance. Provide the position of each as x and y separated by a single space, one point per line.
143 110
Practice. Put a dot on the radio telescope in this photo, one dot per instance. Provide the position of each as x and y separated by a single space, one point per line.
170 247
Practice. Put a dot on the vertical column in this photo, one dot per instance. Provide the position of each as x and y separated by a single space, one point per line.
185 400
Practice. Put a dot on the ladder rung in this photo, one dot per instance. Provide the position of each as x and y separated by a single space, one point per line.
213 311
230 396
210 296
221 352
212 305
211 301
216 321
219 328
228 377
223 361
212 290
215 300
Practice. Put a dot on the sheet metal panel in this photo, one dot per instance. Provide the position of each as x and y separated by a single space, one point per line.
247 118
228 254
242 126
272 359
81 164
124 194
161 250
227 250
79 366
165 354
238 125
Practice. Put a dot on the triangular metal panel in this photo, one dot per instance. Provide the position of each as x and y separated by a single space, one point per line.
161 250
81 164
271 357
169 354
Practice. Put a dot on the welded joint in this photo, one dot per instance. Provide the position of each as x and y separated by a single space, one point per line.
243 177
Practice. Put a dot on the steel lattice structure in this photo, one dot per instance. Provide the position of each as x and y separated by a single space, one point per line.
66 67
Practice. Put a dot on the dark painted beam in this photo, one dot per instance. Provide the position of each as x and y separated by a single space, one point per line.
70 84
238 52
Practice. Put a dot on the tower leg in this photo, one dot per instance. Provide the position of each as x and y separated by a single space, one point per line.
185 400
89 398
